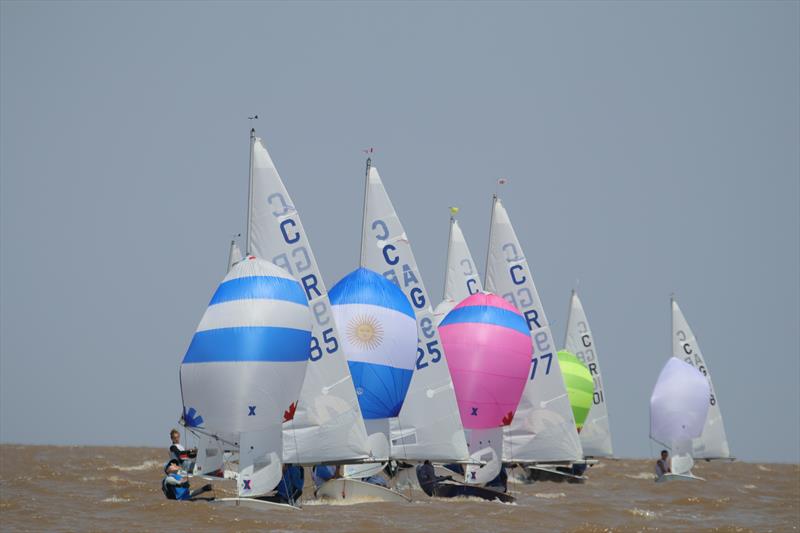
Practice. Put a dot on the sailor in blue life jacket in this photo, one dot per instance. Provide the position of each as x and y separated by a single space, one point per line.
175 484
290 487
322 473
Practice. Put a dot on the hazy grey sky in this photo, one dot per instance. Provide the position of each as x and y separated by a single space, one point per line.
655 143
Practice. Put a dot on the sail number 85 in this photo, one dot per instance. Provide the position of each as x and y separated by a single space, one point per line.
331 345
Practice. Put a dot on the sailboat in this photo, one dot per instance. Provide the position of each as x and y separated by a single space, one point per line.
712 444
428 426
462 281
243 369
596 433
678 411
489 347
380 341
543 429
324 425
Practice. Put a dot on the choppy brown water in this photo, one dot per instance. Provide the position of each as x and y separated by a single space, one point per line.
103 488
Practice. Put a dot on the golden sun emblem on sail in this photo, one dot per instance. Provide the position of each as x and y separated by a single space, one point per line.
365 332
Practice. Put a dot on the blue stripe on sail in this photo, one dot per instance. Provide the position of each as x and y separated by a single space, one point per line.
259 288
484 314
249 344
363 286
381 389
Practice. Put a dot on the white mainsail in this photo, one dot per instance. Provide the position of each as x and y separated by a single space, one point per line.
429 425
543 428
326 425
596 433
461 277
713 443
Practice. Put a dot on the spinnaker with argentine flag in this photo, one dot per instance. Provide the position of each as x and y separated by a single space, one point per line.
428 425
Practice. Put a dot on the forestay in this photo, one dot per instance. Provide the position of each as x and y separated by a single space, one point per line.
543 428
428 426
596 433
326 425
713 443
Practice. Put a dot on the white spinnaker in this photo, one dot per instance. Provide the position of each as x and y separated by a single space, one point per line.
596 433
327 426
259 463
210 455
543 428
234 255
713 443
679 410
429 425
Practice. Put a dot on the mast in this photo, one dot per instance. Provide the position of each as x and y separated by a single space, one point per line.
250 194
569 316
364 213
447 257
489 244
230 253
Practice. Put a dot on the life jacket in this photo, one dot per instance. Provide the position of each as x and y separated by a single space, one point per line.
175 492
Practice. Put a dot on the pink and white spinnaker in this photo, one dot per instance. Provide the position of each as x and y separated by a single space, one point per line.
488 348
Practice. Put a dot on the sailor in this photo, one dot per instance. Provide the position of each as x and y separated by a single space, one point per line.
290 487
426 475
175 484
322 473
500 482
662 465
177 451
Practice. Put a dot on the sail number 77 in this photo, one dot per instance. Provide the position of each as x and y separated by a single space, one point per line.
535 364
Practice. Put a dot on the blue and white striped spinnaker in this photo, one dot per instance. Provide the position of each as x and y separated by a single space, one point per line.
244 368
379 334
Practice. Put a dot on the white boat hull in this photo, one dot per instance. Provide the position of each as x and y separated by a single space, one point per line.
253 503
353 491
678 477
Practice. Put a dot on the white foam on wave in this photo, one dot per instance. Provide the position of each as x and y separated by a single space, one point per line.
147 465
115 499
764 468
644 513
640 475
550 495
